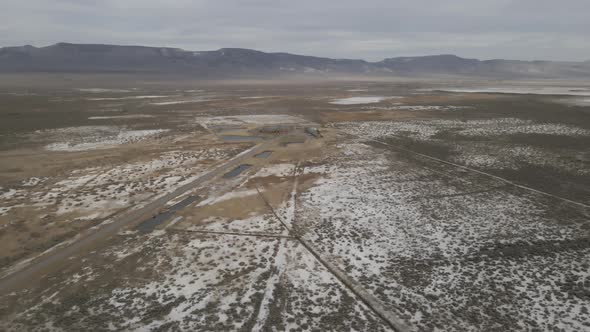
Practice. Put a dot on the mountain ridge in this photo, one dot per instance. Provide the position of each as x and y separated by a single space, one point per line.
231 62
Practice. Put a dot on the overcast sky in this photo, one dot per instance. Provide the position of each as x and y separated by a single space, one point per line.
367 29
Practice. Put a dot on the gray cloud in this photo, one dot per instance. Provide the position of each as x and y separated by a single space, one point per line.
370 29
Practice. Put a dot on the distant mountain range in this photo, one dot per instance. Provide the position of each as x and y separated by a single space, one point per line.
236 62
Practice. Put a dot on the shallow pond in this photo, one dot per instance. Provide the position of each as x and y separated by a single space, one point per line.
236 171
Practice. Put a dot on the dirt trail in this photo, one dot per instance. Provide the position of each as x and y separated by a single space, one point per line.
390 318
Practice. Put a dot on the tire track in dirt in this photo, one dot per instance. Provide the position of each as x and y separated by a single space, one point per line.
482 173
390 319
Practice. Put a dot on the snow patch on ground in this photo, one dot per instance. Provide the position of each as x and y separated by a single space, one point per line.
176 102
258 97
573 91
227 196
9 194
238 120
474 152
571 101
201 283
130 116
128 97
360 100
95 193
4 210
426 129
279 170
431 242
582 102
422 108
265 223
33 181
98 137
102 90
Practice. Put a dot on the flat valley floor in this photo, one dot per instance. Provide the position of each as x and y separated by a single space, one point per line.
152 205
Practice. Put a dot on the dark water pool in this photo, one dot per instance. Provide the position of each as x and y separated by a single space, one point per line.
263 154
150 224
236 171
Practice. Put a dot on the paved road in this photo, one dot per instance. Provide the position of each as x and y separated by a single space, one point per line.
29 275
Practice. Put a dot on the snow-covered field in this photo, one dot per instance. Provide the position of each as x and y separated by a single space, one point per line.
184 101
115 117
574 101
239 120
102 90
228 196
95 193
259 97
360 100
484 142
445 249
243 209
127 97
426 129
280 170
265 224
400 107
544 90
583 101
192 282
96 137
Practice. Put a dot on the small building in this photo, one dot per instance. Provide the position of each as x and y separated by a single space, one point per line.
313 131
276 129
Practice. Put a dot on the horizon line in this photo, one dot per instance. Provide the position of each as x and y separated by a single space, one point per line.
296 54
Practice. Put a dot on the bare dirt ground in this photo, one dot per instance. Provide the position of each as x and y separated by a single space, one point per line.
422 207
